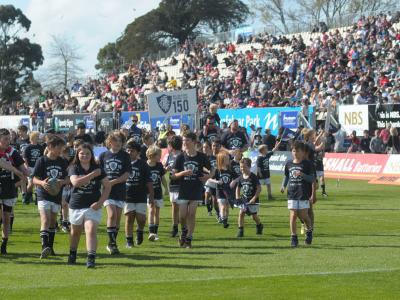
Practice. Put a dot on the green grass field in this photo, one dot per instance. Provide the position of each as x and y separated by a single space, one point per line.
355 255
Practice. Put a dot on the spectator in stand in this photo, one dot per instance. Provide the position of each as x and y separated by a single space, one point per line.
135 132
377 146
82 135
269 139
385 134
365 142
394 141
355 143
340 136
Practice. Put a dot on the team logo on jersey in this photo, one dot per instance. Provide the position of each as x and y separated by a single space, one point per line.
54 173
235 143
164 103
113 166
225 179
246 189
154 177
192 167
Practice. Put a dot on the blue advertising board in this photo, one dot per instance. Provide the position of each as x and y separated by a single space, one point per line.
144 122
267 117
289 119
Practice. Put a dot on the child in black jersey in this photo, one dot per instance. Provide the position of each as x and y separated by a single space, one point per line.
299 178
139 192
174 149
157 176
31 154
263 172
115 162
50 167
189 168
247 194
90 188
223 177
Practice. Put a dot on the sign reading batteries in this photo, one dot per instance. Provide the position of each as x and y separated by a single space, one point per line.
167 104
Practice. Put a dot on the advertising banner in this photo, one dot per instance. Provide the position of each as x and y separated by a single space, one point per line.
69 122
289 119
354 117
167 104
267 117
12 122
354 166
381 115
143 118
277 161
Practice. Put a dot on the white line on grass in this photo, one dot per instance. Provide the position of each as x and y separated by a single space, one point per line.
346 272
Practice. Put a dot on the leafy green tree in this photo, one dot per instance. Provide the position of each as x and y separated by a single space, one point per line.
18 56
173 22
109 58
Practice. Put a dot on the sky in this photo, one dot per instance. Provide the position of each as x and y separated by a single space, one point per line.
91 24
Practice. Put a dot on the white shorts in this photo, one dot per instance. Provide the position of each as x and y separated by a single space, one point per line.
139 208
223 201
48 205
253 208
9 202
173 197
117 203
79 216
298 204
158 202
265 181
186 202
210 184
320 173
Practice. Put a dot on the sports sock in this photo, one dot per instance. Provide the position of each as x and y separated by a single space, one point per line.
151 228
129 239
323 188
44 236
156 228
91 254
116 233
72 252
11 222
111 235
209 207
52 233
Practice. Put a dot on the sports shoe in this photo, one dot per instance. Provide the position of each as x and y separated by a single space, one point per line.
240 234
226 225
156 238
302 230
112 249
182 241
152 237
174 231
309 237
188 244
65 227
90 264
324 194
72 259
129 245
259 229
45 252
294 242
219 220
209 213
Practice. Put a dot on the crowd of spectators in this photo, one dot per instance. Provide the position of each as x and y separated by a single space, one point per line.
355 65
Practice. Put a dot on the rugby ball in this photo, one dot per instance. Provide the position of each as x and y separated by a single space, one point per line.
54 187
